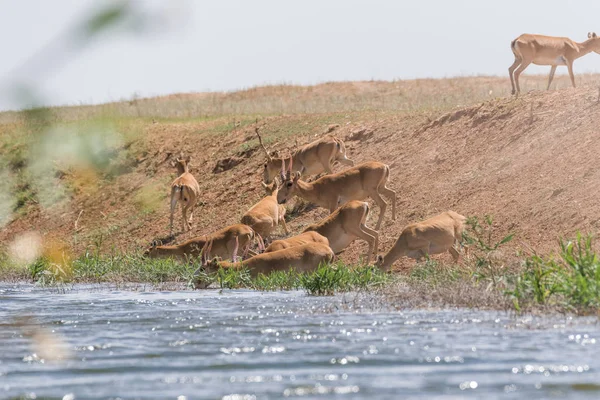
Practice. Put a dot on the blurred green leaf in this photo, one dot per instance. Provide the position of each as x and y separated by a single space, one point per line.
106 18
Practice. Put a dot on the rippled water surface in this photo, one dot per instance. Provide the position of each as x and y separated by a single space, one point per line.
246 345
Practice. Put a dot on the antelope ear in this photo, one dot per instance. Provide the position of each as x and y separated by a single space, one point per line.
589 35
594 35
188 159
296 176
276 183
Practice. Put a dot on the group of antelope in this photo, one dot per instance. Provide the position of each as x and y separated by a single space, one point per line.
341 193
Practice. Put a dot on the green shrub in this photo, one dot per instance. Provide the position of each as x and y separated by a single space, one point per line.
570 281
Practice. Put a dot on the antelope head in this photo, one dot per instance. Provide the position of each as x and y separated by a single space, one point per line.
183 165
288 185
379 263
209 264
205 266
271 187
151 251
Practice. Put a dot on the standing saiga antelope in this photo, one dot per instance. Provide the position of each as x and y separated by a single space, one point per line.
311 159
267 214
346 224
184 190
548 50
433 236
331 191
223 243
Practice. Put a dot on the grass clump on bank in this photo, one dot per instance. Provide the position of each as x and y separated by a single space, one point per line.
93 267
569 281
325 281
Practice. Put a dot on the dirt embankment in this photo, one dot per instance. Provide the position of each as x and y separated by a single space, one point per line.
530 162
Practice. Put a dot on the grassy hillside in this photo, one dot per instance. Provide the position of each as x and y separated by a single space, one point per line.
98 176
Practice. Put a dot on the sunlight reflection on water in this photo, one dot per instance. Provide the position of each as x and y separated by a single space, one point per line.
244 344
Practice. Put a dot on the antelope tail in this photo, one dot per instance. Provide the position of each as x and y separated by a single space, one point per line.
176 195
513 47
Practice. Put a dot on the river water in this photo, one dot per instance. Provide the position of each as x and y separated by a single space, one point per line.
250 345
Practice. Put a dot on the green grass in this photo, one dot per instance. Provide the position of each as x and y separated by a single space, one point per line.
327 280
569 281
324 281
435 274
94 267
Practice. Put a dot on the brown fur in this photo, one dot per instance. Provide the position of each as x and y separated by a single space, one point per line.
311 159
304 258
346 224
330 191
298 240
223 243
266 215
184 190
548 50
433 236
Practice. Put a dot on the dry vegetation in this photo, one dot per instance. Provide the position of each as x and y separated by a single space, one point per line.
418 95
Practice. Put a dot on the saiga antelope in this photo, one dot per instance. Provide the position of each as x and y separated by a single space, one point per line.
433 236
298 240
548 50
223 243
311 159
185 190
346 224
331 191
265 215
304 258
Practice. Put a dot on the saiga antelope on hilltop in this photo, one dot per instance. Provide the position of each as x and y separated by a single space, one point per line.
223 242
304 258
548 50
265 215
346 224
311 159
433 236
184 190
331 191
